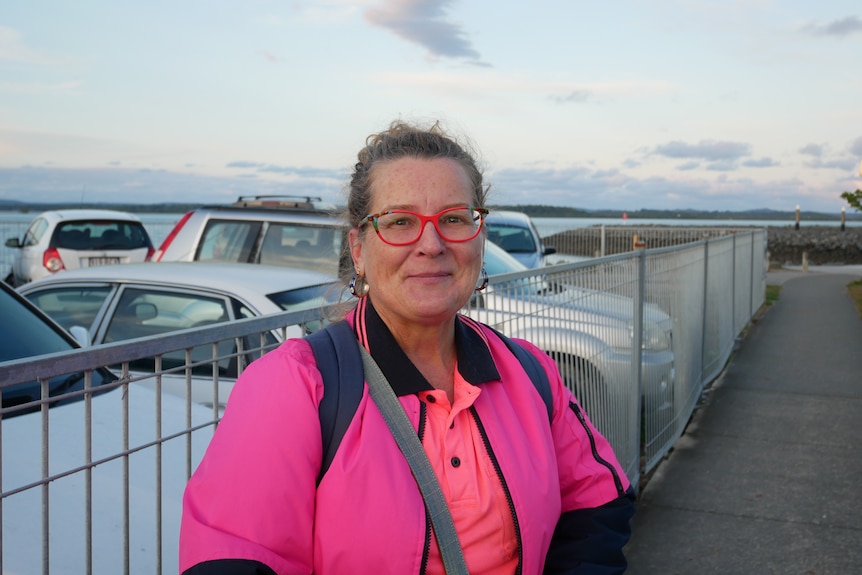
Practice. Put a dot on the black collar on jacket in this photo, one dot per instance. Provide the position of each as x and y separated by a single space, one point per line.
475 363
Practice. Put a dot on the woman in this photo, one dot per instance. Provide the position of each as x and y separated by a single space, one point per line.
526 495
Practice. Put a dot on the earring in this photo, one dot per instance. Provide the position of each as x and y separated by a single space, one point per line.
484 284
358 286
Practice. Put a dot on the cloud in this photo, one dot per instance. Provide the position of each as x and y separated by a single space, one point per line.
761 163
302 172
580 186
13 49
576 96
856 147
37 184
709 150
846 163
33 89
424 22
815 150
843 27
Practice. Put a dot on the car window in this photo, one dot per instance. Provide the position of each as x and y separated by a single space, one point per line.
227 241
71 306
24 335
35 232
307 298
142 313
101 235
511 238
311 248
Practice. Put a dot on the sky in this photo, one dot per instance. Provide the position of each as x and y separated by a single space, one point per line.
660 104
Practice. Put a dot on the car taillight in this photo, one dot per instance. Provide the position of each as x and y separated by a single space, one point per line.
157 256
150 252
52 261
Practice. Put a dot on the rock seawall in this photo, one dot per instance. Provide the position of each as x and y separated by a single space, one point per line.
823 244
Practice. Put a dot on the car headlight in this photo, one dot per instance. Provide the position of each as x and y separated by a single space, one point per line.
654 337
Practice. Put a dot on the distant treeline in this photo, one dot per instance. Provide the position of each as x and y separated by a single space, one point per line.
533 210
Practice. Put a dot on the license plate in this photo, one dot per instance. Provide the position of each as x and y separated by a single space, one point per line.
93 262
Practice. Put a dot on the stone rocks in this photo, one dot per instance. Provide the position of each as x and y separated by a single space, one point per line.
824 245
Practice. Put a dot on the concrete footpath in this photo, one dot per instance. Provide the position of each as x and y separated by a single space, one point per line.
767 478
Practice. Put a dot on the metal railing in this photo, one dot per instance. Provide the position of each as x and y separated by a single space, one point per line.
96 485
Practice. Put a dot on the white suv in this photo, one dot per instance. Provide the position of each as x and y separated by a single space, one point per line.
516 233
70 239
289 231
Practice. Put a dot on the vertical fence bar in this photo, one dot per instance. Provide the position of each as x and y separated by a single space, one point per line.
127 538
637 343
158 437
704 310
88 474
46 511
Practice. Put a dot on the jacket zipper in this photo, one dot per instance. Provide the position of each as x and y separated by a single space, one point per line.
509 500
427 548
580 415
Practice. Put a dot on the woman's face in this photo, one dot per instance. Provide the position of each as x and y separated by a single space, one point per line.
428 281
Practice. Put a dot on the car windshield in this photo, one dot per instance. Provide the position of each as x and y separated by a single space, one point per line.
23 334
513 239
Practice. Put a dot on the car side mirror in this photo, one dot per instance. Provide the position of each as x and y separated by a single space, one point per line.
81 335
548 250
13 243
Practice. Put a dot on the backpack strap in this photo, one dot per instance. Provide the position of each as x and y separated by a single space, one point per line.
336 352
534 369
339 361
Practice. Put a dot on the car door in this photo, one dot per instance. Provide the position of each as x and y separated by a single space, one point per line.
29 260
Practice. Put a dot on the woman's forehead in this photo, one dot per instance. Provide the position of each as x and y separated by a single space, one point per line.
408 183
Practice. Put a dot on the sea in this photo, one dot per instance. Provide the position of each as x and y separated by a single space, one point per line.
159 225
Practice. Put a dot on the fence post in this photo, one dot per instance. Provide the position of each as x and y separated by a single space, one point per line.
637 343
736 329
602 247
751 279
704 310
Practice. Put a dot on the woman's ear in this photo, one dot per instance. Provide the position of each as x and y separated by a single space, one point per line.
355 242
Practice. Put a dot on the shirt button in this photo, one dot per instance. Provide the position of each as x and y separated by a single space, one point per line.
456 462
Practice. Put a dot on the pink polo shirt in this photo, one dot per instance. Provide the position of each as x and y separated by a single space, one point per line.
470 484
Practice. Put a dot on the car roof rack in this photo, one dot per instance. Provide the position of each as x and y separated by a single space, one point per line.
279 201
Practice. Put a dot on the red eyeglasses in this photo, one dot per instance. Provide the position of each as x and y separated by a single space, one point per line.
403 227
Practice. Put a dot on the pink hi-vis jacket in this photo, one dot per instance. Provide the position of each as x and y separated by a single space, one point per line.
253 505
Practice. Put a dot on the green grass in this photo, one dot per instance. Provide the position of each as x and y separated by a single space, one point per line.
772 292
855 291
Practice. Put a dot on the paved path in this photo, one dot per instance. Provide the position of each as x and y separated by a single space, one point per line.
767 479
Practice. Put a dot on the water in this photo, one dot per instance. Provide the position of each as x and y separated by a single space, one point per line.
548 226
159 225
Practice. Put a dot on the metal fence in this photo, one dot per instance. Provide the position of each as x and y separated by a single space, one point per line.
96 486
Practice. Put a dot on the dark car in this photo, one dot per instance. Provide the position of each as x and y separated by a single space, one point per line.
27 332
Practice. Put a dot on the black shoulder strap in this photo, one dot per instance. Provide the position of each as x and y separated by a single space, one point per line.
340 364
336 352
534 370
